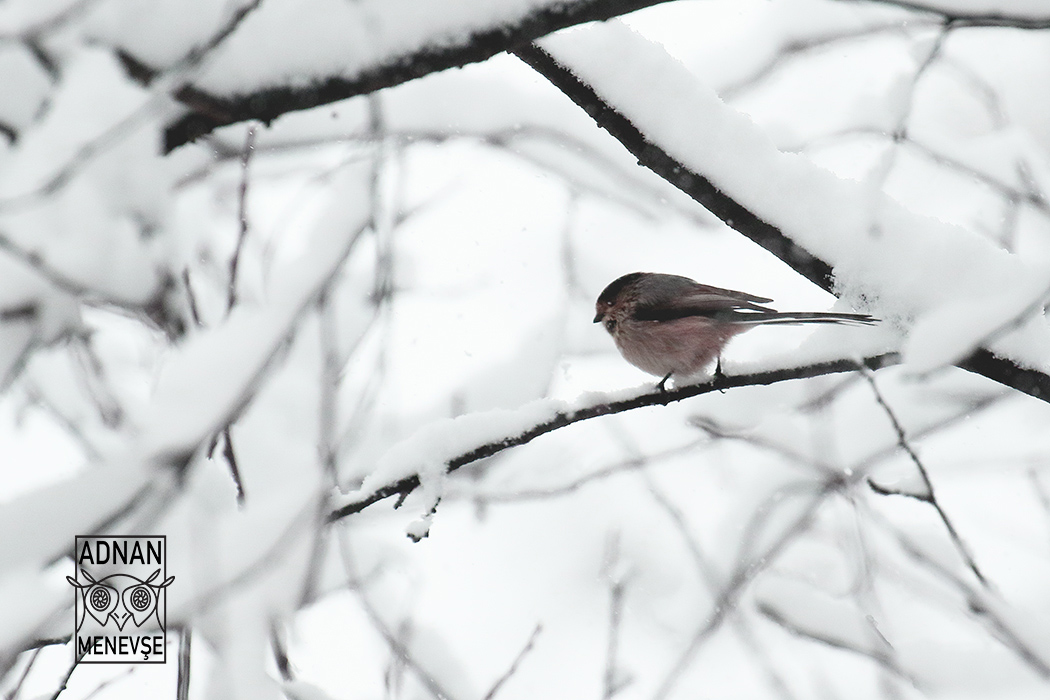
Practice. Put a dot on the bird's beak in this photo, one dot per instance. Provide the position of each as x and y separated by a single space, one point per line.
599 316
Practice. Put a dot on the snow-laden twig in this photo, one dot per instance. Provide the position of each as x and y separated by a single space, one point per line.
567 416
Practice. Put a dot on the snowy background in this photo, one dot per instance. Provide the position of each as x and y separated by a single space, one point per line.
269 267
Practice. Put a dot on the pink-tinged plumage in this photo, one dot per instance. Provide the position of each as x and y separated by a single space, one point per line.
668 325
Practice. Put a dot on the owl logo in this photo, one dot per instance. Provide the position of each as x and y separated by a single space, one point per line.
118 598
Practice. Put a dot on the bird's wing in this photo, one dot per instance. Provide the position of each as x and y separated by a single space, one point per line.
698 300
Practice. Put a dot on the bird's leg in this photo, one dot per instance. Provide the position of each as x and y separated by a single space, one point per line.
660 385
719 375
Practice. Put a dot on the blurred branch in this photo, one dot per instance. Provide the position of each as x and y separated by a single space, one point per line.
726 600
483 498
157 104
514 664
877 179
796 47
706 568
280 654
971 18
242 218
616 575
65 679
737 216
209 112
182 683
512 139
979 601
653 398
881 657
927 495
231 462
13 693
398 647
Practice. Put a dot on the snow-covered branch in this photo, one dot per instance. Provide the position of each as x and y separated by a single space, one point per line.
478 40
561 416
712 153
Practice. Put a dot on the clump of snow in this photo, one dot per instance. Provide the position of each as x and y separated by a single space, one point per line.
431 447
953 330
283 42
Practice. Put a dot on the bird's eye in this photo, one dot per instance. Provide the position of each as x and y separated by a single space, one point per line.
610 324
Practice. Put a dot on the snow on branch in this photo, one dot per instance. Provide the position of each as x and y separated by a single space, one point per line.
442 40
913 268
206 382
452 444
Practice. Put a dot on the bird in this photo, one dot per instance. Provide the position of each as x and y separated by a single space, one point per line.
669 325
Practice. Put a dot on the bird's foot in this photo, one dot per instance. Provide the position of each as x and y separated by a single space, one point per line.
661 385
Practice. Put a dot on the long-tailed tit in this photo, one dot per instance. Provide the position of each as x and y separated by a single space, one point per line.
670 325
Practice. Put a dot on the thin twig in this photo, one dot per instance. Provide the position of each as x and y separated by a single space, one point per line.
725 601
976 599
65 679
13 693
711 578
191 298
612 683
928 496
972 18
280 654
482 498
397 646
231 461
514 664
881 657
182 684
242 218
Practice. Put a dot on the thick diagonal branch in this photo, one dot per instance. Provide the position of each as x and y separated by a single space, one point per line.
739 217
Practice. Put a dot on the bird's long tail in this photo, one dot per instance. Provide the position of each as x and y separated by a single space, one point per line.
803 317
